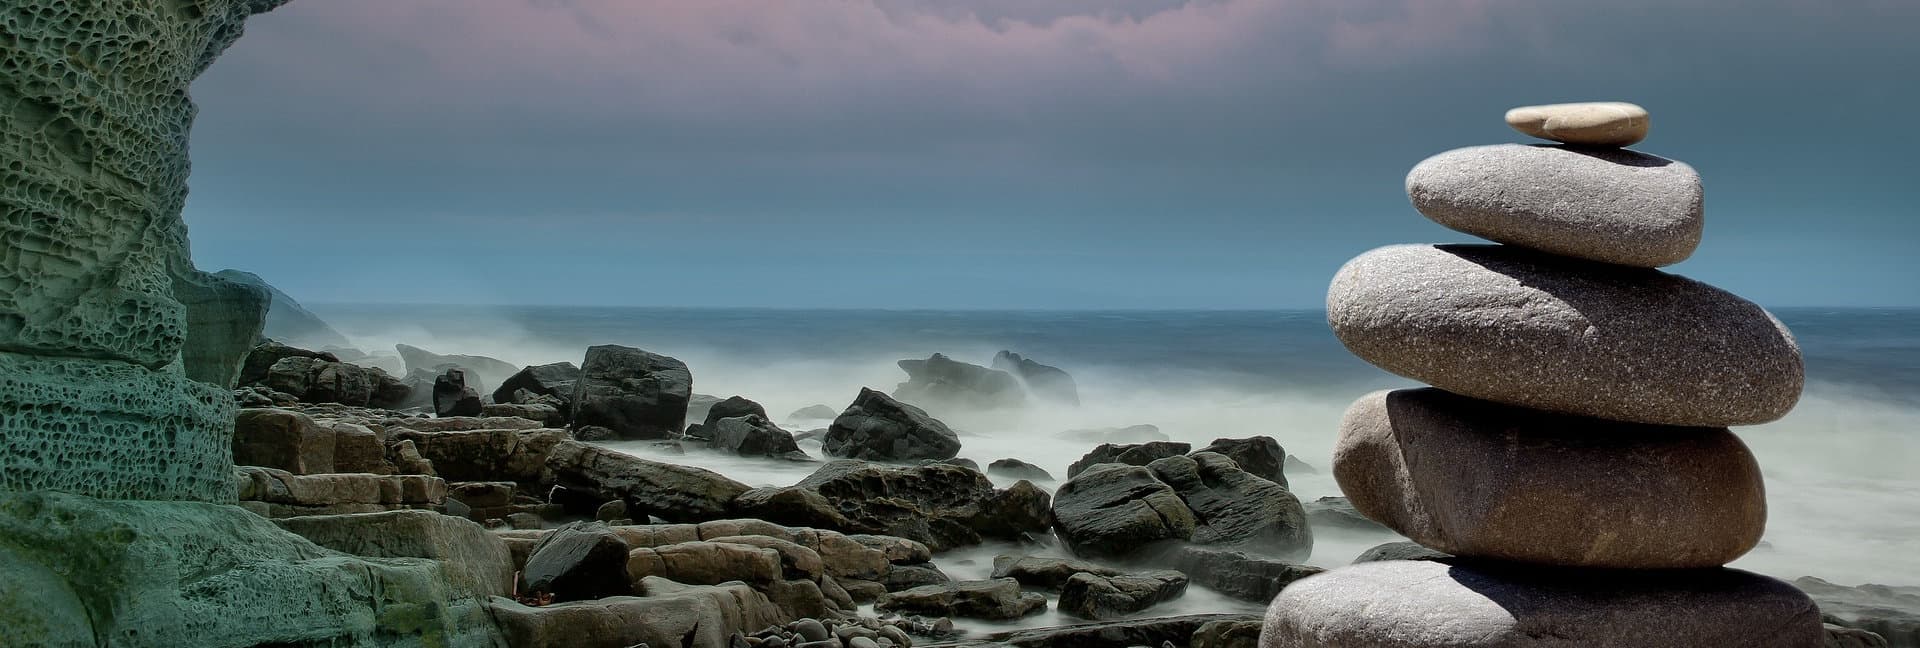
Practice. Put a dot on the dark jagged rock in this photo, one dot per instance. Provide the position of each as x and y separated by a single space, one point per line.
1260 456
1237 574
1338 513
1234 508
453 397
1017 469
750 436
732 407
546 414
317 380
1050 383
636 394
261 358
943 506
1139 454
667 491
1117 510
554 381
1092 596
999 599
481 370
906 577
578 562
1401 551
1046 573
1133 632
940 382
876 427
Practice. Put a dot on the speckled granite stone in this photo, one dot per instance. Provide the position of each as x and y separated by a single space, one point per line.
1519 327
1427 604
1606 205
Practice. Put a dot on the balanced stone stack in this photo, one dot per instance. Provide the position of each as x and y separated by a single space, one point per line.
1573 453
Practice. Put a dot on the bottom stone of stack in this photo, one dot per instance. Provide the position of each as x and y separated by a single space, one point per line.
1457 604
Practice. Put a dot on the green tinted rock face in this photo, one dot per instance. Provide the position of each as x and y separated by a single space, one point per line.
95 397
81 571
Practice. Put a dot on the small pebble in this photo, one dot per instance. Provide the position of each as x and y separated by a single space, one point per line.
811 630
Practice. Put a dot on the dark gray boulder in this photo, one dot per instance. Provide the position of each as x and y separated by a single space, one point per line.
1260 456
1046 573
731 407
581 561
1017 469
553 381
906 577
1138 454
670 492
1400 551
1044 382
1338 513
941 382
1116 511
260 359
1236 574
634 393
1233 508
453 397
876 427
750 436
941 505
1092 596
316 380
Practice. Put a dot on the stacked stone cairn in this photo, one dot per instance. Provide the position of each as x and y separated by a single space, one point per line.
1572 454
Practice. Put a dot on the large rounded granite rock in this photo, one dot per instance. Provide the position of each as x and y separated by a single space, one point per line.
1483 480
1607 205
1516 326
1422 604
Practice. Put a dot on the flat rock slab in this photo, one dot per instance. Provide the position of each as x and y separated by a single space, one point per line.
1593 123
1516 326
1484 480
1606 205
1421 604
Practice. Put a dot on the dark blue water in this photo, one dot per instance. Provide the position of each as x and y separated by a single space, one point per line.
1871 352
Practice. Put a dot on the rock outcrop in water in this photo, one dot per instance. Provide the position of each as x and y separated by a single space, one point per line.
288 321
1555 465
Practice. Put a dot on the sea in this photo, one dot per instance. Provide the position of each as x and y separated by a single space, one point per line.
1842 470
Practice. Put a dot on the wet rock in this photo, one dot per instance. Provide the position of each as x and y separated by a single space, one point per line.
638 395
1139 454
545 413
1116 510
1017 469
1232 508
1092 596
706 563
453 397
1046 573
750 435
999 599
578 562
905 577
876 427
1260 456
940 505
1400 551
1236 574
548 381
671 492
1338 513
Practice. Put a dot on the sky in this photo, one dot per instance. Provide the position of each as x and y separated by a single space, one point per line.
1059 154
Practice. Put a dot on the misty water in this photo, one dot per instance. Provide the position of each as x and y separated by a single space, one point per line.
1843 496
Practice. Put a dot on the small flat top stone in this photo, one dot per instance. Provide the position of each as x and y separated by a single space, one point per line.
1597 123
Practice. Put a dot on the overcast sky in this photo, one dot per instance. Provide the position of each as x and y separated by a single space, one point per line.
1009 153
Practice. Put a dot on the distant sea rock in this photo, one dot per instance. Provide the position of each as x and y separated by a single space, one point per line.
287 320
482 372
1045 382
941 383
